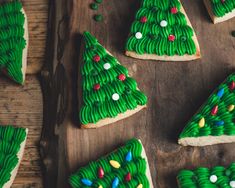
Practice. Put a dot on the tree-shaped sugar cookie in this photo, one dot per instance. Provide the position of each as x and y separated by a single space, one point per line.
220 10
214 123
125 167
216 177
108 93
162 31
12 143
13 39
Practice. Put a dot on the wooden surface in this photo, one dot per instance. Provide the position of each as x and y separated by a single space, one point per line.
175 92
22 105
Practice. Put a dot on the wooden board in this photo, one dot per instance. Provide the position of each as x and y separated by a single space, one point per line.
22 105
175 91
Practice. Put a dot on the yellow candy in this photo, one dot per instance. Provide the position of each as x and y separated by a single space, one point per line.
140 186
115 164
231 107
100 186
201 123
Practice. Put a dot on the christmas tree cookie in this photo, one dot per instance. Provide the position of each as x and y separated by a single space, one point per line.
220 10
162 31
214 123
125 167
12 143
13 40
108 93
217 177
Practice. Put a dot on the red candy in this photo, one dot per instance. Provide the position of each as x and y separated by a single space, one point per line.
122 77
96 58
128 177
143 19
232 85
222 1
214 110
96 87
174 10
100 173
171 38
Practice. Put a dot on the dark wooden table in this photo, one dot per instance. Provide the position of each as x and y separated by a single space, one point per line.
175 91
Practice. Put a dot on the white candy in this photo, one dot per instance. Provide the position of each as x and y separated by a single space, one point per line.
107 66
163 23
232 184
138 35
213 178
115 97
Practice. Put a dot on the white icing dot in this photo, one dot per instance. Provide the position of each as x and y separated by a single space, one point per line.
107 66
115 97
213 178
232 184
138 35
163 23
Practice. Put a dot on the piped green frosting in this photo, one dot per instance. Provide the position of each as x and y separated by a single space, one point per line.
12 40
209 122
222 7
10 140
155 38
99 104
136 167
201 177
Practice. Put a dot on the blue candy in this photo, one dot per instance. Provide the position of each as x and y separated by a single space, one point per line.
115 183
129 156
86 182
220 93
219 123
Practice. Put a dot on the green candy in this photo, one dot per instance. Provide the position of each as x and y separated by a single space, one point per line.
94 6
98 18
98 1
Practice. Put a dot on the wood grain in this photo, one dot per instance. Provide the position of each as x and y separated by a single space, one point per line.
175 92
22 105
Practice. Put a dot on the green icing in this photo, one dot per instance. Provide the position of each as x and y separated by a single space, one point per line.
10 140
137 168
220 8
225 116
12 39
98 104
154 37
200 178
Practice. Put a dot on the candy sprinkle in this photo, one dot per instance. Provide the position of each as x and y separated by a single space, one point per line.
114 164
214 110
201 123
128 156
98 18
94 6
219 123
86 182
220 93
140 186
231 107
213 178
100 186
115 182
232 85
100 172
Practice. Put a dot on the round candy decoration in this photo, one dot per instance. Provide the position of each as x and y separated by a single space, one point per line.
122 77
138 35
96 87
171 38
163 23
222 1
174 10
213 178
115 97
107 66
143 19
96 58
232 184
